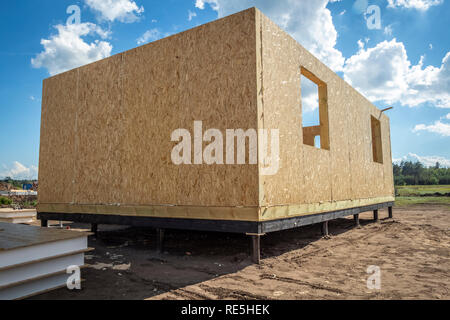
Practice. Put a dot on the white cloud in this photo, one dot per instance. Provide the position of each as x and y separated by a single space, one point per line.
310 95
309 22
360 6
428 161
149 35
438 127
126 11
67 50
388 30
414 4
200 4
360 44
447 116
19 171
384 73
191 15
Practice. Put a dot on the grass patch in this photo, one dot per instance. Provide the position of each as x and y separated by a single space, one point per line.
421 191
5 201
408 201
30 204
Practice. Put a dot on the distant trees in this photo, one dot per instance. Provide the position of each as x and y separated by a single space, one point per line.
415 173
17 184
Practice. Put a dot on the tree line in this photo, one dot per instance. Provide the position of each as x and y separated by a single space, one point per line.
405 173
415 173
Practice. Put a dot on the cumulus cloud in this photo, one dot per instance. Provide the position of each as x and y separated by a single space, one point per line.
384 73
149 35
191 15
310 95
126 11
428 161
200 4
438 127
414 4
67 49
70 49
19 172
309 22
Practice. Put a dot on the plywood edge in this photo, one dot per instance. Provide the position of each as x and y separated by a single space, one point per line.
157 211
68 254
46 290
259 98
293 210
45 276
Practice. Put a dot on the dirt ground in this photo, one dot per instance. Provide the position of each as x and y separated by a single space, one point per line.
412 251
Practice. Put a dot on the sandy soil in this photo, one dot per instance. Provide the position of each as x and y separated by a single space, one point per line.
412 251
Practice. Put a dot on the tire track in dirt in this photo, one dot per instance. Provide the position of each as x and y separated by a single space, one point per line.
189 294
225 293
300 282
299 259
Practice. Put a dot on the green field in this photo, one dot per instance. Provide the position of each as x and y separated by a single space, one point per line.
433 194
411 191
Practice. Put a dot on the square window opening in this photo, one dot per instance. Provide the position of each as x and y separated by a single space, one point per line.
314 111
377 147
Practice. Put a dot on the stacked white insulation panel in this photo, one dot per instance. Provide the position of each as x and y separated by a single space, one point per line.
35 260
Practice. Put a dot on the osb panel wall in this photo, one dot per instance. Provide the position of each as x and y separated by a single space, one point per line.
309 175
99 136
207 74
57 153
107 126
279 108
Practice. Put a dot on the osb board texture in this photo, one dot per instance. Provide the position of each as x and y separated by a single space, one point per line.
296 210
57 144
214 213
309 175
106 127
182 212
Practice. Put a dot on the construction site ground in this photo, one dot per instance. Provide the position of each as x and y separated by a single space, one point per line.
412 252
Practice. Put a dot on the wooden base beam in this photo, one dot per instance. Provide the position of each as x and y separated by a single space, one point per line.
255 227
390 213
44 223
375 216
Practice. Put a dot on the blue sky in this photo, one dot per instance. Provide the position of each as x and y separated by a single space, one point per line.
403 62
